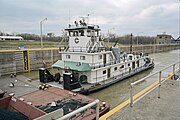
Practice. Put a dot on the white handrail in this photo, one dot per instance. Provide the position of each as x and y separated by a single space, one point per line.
96 102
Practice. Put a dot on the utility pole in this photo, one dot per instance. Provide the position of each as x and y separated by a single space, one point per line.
45 19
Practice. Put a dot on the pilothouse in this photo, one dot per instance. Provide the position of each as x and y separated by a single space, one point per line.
89 65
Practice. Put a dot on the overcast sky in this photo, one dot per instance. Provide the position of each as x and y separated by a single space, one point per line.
143 17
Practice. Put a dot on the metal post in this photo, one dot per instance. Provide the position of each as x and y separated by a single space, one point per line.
41 34
159 84
52 58
108 37
131 42
179 18
137 40
173 72
41 22
131 101
131 96
154 45
97 111
29 61
179 67
69 115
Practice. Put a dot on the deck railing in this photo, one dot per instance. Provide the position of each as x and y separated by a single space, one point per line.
82 49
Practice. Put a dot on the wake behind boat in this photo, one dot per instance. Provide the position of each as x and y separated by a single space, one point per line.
89 65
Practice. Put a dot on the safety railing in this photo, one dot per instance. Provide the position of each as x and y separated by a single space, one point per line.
135 96
56 114
113 62
82 49
158 83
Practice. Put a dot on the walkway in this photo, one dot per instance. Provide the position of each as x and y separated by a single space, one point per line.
153 108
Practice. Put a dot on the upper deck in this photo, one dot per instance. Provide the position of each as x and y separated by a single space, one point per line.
83 35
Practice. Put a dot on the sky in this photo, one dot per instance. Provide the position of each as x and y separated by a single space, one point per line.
139 17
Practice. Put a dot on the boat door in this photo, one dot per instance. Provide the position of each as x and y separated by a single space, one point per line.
104 59
133 65
137 63
108 72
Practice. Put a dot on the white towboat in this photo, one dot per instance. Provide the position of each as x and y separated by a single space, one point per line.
88 65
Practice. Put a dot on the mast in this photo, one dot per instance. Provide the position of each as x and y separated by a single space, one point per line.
131 43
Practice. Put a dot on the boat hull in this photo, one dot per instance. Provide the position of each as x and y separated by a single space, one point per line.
100 87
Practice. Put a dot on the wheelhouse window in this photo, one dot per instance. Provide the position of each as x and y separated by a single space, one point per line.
96 33
115 68
104 72
75 33
88 33
82 57
122 66
81 32
68 56
70 33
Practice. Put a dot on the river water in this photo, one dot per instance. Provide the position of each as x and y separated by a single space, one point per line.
119 92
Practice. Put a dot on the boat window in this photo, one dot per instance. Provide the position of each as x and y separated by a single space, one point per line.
100 56
97 33
130 57
137 62
128 64
115 68
70 33
104 72
67 56
122 66
88 33
81 32
75 33
82 57
92 33
66 71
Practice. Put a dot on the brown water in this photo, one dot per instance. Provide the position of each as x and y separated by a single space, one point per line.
119 92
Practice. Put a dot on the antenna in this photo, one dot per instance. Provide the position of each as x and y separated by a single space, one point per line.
131 43
69 16
85 17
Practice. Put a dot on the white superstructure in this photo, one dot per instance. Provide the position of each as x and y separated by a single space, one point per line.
89 65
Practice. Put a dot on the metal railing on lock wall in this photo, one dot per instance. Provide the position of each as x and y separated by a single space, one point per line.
134 99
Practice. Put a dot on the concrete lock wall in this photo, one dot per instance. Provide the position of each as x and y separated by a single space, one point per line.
17 61
151 48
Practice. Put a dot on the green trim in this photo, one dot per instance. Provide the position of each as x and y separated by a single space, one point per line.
77 66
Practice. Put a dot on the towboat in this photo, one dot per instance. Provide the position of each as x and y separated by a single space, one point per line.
87 63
